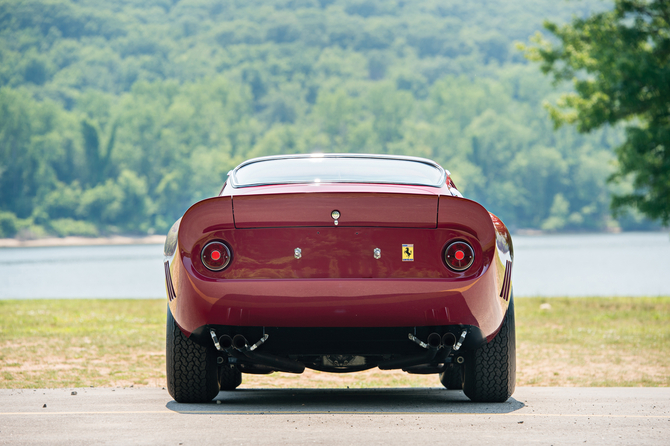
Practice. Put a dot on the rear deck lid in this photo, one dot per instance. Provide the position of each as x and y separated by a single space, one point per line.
336 208
336 190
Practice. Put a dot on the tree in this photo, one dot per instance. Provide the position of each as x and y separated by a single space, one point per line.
176 93
619 63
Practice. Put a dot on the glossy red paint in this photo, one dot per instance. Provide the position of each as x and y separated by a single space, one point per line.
334 302
204 217
390 205
339 277
337 282
357 209
468 216
336 253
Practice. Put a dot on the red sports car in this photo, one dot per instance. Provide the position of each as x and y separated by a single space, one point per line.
339 263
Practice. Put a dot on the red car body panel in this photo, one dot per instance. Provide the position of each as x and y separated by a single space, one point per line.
334 302
337 282
310 205
313 210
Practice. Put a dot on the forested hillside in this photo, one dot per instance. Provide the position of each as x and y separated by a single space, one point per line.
116 115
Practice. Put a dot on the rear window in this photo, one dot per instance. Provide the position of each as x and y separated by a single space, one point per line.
338 169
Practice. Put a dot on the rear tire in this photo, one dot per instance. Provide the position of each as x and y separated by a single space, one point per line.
191 368
229 378
490 371
452 377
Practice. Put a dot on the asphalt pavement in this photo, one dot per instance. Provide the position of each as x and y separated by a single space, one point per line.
139 416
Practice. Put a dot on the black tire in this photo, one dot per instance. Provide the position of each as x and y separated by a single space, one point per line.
229 378
452 377
191 368
490 371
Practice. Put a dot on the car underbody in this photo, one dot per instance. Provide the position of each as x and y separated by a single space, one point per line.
263 350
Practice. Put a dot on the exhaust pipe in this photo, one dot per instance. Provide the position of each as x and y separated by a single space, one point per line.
432 346
276 362
448 340
239 346
239 342
409 361
424 369
434 340
226 342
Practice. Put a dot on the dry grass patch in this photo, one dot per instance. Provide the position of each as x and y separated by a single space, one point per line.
570 342
77 343
622 341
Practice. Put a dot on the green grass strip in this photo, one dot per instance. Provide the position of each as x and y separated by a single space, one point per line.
617 341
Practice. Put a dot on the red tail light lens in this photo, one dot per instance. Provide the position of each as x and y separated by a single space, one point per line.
215 256
459 256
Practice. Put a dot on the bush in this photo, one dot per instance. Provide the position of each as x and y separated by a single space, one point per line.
9 224
30 231
64 227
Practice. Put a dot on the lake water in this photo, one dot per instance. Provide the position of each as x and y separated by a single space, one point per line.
628 264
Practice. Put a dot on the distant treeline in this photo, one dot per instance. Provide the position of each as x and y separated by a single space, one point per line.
115 116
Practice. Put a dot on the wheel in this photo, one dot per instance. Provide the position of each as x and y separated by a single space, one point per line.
229 378
191 368
490 371
452 377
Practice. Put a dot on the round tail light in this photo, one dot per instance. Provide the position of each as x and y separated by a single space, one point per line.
459 256
215 256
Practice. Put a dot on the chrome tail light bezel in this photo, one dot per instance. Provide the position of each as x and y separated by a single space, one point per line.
451 255
224 251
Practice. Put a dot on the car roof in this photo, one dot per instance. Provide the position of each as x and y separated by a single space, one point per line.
337 168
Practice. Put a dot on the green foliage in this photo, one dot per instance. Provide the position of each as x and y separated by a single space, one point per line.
9 224
117 116
619 63
64 227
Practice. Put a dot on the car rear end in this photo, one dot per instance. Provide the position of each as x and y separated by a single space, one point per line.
339 276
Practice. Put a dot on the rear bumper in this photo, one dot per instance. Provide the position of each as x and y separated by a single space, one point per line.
344 303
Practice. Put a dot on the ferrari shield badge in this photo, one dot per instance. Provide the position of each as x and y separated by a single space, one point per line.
407 253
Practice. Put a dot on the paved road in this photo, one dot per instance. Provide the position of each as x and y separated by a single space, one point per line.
137 416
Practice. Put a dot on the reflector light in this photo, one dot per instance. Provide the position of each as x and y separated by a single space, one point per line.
459 256
215 256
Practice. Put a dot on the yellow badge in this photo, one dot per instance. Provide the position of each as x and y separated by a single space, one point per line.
407 253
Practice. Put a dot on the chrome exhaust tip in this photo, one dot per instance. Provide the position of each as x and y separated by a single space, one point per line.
225 341
434 340
239 342
448 340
